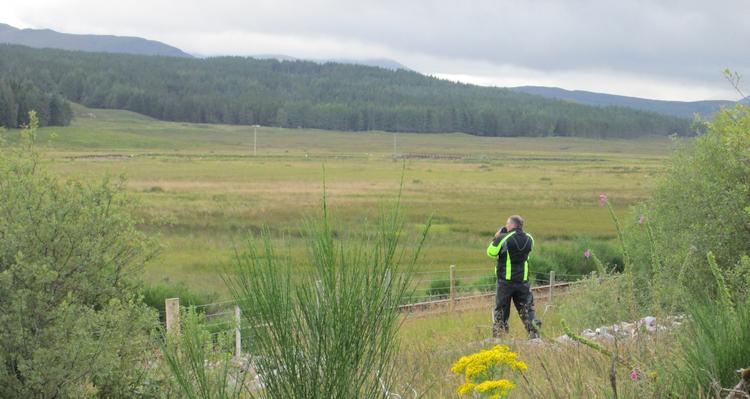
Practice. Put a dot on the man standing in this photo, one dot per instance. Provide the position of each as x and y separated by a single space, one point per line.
511 246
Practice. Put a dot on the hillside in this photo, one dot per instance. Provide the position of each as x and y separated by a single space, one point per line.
684 109
236 90
46 38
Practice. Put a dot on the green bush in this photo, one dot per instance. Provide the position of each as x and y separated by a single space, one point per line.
484 284
570 259
71 323
440 288
703 204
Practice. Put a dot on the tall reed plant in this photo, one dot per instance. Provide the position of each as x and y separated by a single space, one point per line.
327 328
200 365
713 344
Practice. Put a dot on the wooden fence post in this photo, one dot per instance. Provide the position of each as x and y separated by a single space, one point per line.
453 287
237 336
551 285
172 308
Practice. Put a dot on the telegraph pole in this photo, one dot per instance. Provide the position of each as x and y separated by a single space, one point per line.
394 145
255 140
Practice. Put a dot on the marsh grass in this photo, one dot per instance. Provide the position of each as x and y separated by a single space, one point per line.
213 192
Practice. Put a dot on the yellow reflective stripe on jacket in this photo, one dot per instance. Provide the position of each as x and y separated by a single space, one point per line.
493 251
526 270
526 264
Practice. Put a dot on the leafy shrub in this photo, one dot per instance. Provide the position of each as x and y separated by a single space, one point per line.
441 288
703 203
570 259
71 323
484 284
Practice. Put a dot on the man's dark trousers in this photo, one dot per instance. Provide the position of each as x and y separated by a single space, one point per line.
520 292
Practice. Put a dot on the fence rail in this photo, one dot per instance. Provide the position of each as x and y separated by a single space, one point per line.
438 299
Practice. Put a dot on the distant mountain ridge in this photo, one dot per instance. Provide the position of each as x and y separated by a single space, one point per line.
46 38
684 109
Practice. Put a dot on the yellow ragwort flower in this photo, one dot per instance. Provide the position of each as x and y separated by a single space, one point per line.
460 365
474 370
520 366
474 365
492 385
466 388
498 388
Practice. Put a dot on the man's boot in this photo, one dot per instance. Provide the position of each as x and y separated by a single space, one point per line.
532 327
499 328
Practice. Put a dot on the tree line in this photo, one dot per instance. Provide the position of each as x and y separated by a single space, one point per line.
18 97
239 90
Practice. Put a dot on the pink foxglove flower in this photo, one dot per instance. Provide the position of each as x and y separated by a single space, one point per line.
633 375
587 253
602 200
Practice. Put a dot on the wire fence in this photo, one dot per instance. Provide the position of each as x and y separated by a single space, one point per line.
432 292
429 293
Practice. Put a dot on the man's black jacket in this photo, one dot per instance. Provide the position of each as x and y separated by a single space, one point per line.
512 252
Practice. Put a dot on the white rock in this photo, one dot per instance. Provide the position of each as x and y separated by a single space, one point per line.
606 336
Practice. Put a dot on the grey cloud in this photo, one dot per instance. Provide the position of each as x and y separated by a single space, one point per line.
688 40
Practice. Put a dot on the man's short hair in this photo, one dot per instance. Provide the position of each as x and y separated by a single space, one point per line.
517 220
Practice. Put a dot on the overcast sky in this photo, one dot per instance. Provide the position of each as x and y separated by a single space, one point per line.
655 49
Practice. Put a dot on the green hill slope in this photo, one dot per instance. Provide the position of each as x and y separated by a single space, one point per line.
235 90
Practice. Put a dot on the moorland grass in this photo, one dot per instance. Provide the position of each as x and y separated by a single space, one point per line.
201 191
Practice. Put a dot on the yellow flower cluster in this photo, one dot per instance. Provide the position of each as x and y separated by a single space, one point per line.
484 359
498 388
482 364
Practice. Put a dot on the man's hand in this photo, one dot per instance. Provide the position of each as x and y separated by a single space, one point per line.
501 231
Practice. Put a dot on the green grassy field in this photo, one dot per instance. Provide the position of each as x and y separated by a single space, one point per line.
202 190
